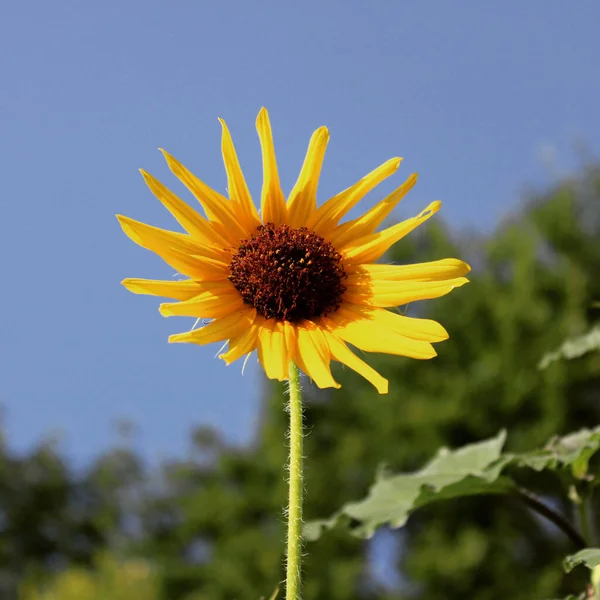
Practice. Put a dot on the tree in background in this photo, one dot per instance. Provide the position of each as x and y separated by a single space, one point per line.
213 521
110 580
51 516
532 286
535 286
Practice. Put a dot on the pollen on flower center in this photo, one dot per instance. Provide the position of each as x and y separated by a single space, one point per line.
288 274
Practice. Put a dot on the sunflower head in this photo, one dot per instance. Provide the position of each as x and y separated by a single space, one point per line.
293 282
288 274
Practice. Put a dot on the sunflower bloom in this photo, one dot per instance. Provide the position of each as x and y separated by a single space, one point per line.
293 282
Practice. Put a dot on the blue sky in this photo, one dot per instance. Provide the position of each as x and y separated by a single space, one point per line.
470 94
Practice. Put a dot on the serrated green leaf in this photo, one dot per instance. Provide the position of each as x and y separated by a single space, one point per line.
471 470
589 557
573 450
573 347
475 469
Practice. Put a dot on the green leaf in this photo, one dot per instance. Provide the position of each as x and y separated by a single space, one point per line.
476 469
468 471
589 557
573 450
573 347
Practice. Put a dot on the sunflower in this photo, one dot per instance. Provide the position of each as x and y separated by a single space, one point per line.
293 282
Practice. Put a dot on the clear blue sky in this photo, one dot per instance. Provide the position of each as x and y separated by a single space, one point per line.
466 92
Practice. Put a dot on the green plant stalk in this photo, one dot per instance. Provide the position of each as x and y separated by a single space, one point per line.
531 500
293 579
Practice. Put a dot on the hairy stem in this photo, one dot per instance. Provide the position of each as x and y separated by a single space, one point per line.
294 534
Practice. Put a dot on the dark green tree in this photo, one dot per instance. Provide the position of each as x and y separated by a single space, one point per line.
218 526
52 516
213 522
533 285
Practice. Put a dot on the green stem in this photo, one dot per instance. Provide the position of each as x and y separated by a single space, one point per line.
294 536
559 520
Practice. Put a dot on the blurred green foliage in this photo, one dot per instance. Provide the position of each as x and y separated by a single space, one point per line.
213 521
479 469
110 580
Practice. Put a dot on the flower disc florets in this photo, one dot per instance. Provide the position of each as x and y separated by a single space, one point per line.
288 274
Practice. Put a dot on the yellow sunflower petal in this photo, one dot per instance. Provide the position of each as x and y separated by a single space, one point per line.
178 290
177 250
222 328
328 215
244 343
196 267
417 329
273 206
151 237
196 225
368 223
205 254
355 325
289 333
343 354
313 355
302 201
371 247
239 193
437 270
219 299
217 207
272 350
396 293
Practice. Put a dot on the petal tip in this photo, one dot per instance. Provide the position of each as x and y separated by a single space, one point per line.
383 387
128 226
323 132
165 309
262 117
129 284
182 338
124 222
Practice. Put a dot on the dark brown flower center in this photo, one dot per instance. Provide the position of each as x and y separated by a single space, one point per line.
289 274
